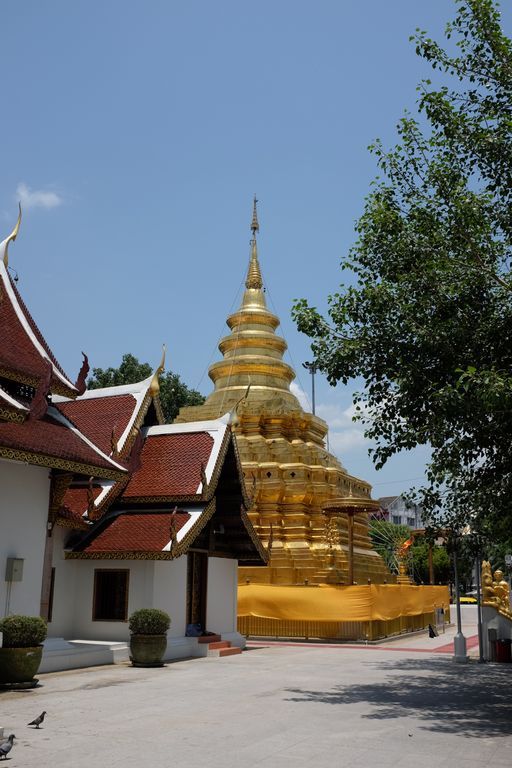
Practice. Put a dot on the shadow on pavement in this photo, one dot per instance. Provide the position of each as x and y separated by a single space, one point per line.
471 700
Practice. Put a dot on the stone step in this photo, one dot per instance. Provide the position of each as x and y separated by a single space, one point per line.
231 651
218 645
209 639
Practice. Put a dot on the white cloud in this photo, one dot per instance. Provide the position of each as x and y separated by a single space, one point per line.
301 396
37 198
344 434
347 440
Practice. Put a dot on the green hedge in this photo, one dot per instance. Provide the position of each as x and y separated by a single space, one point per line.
23 631
149 621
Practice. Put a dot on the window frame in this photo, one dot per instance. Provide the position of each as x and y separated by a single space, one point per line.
126 572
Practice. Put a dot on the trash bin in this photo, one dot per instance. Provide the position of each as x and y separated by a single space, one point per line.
503 654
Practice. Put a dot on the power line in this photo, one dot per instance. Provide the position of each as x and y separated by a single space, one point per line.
401 480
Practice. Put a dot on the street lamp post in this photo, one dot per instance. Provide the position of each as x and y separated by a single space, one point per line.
311 367
508 563
481 658
459 641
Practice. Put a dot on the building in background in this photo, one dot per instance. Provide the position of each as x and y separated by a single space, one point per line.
399 511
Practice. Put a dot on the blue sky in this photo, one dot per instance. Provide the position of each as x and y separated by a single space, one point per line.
136 133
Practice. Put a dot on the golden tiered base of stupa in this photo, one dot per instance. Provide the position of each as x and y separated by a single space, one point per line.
288 471
292 477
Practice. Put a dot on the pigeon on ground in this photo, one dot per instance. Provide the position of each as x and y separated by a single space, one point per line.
38 720
6 747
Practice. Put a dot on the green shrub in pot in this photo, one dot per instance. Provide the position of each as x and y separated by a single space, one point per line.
148 638
22 650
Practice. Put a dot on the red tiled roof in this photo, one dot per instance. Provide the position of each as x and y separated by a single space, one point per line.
76 500
96 417
170 465
148 532
70 519
18 354
385 501
53 441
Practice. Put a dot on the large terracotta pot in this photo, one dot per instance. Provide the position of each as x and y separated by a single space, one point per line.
147 650
19 665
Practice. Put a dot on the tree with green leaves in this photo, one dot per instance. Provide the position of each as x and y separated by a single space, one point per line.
174 393
425 318
440 561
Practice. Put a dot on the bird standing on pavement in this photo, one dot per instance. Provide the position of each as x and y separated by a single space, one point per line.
38 720
6 747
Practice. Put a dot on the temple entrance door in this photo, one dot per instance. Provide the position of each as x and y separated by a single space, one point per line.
197 581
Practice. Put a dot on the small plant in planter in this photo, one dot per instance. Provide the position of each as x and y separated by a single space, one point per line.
21 652
148 639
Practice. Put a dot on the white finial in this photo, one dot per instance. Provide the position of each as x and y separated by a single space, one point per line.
4 245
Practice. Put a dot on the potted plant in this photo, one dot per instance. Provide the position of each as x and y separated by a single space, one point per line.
21 651
148 638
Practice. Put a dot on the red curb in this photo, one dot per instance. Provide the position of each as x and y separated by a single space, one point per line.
471 642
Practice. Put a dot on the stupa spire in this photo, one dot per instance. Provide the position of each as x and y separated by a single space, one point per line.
254 224
254 279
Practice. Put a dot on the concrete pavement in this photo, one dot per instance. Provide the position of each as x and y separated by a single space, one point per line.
402 704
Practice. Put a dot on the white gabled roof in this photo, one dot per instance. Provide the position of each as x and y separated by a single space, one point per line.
11 401
26 325
139 388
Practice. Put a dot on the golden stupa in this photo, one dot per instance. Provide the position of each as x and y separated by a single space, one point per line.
288 470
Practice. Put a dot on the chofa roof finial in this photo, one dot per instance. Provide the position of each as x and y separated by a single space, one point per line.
4 246
154 387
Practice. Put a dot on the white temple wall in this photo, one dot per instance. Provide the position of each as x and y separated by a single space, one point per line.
24 496
140 595
221 605
64 600
152 584
170 593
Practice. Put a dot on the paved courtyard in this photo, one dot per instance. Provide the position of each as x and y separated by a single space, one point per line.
405 703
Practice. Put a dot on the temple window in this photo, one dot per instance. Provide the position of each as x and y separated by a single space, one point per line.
110 601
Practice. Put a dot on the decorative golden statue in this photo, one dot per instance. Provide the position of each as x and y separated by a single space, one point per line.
496 591
401 555
333 532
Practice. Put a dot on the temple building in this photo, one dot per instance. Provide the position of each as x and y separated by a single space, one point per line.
105 509
288 470
40 451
